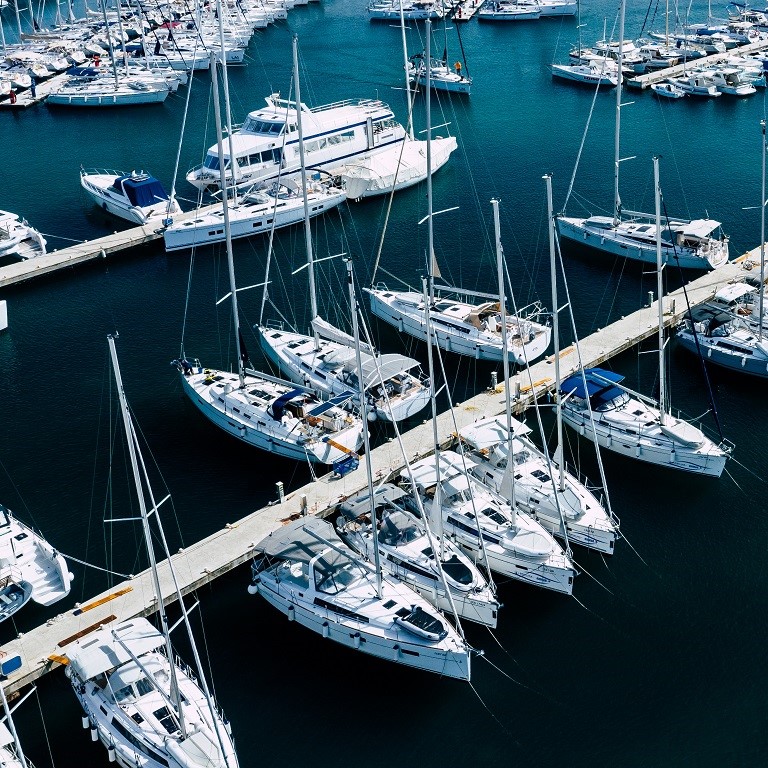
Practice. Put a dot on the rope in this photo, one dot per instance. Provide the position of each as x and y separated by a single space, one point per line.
45 729
488 709
97 567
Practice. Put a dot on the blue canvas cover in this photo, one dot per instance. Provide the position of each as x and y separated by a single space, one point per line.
599 382
278 407
141 190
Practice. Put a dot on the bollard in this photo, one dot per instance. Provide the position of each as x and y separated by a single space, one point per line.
303 504
280 492
494 379
650 298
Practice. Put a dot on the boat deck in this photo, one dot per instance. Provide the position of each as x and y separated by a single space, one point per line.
659 75
42 648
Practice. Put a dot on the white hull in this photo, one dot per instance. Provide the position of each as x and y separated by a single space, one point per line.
408 318
399 647
398 167
657 450
722 351
247 219
106 98
269 435
277 346
582 74
602 239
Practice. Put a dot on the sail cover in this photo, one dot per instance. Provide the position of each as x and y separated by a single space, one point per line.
328 331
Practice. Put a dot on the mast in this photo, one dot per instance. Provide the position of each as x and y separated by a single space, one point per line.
147 533
225 210
307 228
659 294
407 79
366 436
509 475
109 42
761 298
429 288
12 728
617 135
555 334
232 159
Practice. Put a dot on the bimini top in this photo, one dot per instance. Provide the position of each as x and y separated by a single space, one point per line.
105 649
378 370
599 383
700 228
386 495
141 189
490 432
297 543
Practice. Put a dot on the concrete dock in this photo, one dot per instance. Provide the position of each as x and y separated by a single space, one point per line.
659 75
43 648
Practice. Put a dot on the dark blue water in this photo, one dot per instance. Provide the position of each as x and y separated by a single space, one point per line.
659 659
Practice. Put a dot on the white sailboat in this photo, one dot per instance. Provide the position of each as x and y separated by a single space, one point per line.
505 459
460 326
327 365
30 568
11 752
733 333
631 424
689 244
255 212
263 411
309 574
145 706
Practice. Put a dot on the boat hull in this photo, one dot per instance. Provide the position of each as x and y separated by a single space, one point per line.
599 239
458 342
356 635
660 452
754 363
267 439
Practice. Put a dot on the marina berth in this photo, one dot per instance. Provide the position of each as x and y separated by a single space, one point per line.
493 10
309 574
411 10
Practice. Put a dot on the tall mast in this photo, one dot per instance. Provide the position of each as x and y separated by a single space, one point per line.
307 228
405 69
109 41
430 227
12 727
225 79
366 436
225 210
760 302
147 533
616 147
555 332
659 294
429 292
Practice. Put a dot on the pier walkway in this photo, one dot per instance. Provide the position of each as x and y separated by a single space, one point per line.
465 9
659 75
88 250
43 648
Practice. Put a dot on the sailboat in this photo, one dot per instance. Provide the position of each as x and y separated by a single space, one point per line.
18 238
454 79
385 520
732 333
147 707
505 459
262 410
307 572
30 568
626 422
689 244
327 365
461 326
